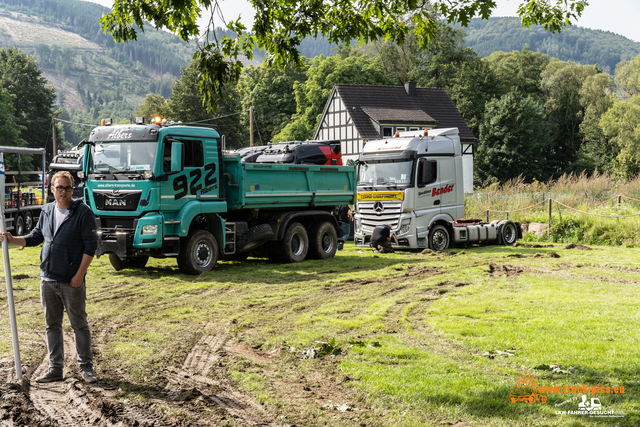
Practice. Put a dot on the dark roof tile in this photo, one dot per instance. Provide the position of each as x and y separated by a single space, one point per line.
373 102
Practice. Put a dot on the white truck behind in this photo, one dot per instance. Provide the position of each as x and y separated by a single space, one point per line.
413 182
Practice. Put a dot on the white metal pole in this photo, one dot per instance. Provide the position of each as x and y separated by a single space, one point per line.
7 275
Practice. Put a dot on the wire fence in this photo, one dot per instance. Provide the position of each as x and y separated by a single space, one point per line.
549 202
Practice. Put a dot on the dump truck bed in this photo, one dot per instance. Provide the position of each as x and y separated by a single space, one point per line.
276 185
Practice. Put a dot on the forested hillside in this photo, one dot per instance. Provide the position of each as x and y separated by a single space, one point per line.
577 44
93 76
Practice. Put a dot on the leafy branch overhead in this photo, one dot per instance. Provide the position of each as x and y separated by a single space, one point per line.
280 26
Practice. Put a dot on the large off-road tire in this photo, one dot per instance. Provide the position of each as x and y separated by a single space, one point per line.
439 238
295 244
323 241
132 263
508 233
28 222
18 225
199 253
257 236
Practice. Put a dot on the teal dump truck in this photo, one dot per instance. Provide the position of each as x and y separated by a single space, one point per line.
168 190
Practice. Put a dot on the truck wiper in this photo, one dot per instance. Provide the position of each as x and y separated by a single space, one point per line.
104 167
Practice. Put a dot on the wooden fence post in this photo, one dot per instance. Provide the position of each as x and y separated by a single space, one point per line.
549 221
619 200
487 216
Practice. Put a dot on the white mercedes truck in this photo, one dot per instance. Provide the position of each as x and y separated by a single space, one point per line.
413 182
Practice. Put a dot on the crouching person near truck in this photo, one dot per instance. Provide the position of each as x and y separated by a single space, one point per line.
381 238
64 264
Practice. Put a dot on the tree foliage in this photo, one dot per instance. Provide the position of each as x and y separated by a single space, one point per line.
581 45
154 105
628 77
9 128
323 73
519 70
597 151
514 139
186 105
33 99
561 83
271 93
621 123
279 27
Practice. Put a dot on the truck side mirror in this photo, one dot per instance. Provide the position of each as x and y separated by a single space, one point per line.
427 172
177 160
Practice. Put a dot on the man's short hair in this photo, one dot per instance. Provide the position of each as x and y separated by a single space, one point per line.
62 174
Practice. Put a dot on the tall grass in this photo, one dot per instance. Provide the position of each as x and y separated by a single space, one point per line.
585 198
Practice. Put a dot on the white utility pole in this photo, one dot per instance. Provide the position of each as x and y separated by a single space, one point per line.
8 278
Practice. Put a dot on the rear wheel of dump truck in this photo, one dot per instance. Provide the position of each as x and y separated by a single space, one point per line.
133 263
323 241
199 253
438 238
295 244
509 233
18 225
28 221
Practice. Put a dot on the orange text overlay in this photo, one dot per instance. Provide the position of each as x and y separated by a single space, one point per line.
582 389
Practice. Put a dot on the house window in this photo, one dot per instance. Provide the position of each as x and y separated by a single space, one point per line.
387 131
400 129
414 128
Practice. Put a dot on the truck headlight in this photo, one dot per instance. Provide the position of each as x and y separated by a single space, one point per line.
405 226
150 229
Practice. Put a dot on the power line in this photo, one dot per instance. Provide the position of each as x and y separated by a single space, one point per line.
74 123
220 117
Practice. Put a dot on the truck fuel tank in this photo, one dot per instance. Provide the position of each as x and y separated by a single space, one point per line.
472 233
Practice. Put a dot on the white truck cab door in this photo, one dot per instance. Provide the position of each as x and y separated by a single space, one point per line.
427 182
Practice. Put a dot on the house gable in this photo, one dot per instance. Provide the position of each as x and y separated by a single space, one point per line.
372 108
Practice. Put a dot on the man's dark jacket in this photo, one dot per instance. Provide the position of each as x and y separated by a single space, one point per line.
61 254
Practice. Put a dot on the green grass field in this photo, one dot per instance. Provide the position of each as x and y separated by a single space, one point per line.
412 338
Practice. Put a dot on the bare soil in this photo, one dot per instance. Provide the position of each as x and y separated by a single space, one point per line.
198 393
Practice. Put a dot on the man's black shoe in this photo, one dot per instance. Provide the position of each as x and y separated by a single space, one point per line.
50 375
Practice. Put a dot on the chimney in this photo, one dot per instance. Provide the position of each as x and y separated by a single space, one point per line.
410 88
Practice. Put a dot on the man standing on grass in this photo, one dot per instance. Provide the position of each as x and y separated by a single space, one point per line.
68 229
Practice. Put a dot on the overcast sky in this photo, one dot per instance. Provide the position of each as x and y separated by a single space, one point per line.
618 16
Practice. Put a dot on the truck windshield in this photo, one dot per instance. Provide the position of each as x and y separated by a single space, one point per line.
122 157
397 173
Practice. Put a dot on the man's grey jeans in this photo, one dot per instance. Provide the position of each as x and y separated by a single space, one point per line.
57 297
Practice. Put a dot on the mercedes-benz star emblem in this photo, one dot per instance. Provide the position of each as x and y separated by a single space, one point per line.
378 207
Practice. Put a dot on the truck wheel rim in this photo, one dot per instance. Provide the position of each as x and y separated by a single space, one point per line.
439 240
203 254
297 246
327 243
509 233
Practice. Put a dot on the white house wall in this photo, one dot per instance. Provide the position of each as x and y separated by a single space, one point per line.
337 124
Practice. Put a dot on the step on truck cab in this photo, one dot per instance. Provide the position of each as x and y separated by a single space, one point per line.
413 182
168 190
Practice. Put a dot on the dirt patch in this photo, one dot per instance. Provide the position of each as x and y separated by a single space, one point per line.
422 271
240 348
531 246
579 247
505 270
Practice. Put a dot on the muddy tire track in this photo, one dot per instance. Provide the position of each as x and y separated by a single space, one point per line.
50 399
193 375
